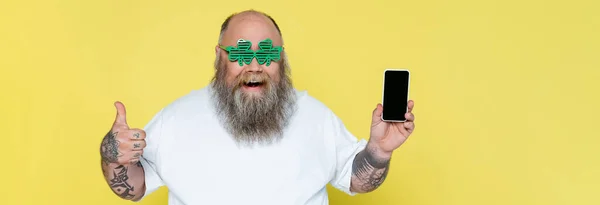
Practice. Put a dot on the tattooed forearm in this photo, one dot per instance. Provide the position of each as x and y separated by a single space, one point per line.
125 178
368 172
119 183
126 181
109 149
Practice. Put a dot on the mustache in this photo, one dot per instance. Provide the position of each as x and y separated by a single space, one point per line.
252 77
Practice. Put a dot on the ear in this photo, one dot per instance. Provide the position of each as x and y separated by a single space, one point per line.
217 50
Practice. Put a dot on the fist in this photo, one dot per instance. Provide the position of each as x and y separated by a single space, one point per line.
122 145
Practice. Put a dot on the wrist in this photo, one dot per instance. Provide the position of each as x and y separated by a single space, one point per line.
377 153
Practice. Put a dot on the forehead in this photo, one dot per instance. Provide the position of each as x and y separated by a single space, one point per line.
251 27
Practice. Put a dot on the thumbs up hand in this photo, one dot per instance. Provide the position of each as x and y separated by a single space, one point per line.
122 145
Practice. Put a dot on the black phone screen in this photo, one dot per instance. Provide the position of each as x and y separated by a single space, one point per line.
395 95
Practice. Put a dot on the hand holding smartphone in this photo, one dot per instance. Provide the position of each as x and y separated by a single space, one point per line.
396 84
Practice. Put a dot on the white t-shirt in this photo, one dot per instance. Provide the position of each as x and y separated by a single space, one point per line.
190 153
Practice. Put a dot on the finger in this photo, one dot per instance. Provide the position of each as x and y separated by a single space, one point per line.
134 161
400 126
136 154
409 117
137 134
120 119
129 156
411 105
138 145
377 113
409 126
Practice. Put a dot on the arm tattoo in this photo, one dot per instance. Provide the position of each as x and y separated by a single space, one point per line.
109 150
369 172
119 183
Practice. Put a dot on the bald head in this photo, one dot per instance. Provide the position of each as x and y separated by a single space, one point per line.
253 26
249 23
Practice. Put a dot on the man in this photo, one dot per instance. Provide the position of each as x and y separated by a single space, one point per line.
249 137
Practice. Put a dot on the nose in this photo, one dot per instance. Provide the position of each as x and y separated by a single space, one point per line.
254 66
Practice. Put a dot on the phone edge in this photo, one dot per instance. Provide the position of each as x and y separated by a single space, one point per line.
383 91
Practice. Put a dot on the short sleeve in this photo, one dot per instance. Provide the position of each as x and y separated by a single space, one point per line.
150 157
347 146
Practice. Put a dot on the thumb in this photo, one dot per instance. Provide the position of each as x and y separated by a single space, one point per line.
120 119
377 113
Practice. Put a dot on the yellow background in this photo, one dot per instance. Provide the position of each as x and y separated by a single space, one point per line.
506 92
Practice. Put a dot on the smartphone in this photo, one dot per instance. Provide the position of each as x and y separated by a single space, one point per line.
396 84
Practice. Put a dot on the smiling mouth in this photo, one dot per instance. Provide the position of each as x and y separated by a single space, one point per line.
253 84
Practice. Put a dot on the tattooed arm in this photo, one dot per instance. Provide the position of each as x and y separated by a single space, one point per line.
120 152
369 170
370 166
122 169
126 181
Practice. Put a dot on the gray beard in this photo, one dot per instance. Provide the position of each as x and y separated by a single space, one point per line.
249 118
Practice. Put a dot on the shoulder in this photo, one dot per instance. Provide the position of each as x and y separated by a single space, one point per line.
195 102
308 102
311 106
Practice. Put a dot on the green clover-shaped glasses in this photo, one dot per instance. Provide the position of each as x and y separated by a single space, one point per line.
242 53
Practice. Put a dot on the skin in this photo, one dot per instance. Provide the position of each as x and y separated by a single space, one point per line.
120 153
122 146
371 166
254 27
